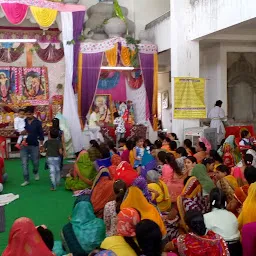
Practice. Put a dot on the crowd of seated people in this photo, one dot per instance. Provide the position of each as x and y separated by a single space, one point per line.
152 199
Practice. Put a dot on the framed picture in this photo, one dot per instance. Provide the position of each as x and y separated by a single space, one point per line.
104 102
165 99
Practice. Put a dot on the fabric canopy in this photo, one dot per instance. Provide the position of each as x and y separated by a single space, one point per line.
44 17
44 12
15 13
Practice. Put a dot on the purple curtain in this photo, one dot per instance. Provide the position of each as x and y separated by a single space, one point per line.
50 54
147 67
10 55
78 21
90 78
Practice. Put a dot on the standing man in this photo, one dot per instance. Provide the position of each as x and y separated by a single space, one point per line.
216 115
35 132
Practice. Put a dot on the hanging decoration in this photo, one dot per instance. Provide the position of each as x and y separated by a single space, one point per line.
50 54
15 13
135 82
110 82
43 16
9 55
111 56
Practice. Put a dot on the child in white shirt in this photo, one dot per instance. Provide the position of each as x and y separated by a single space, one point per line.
120 128
19 126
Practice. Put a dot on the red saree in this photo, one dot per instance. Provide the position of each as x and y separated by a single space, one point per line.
24 240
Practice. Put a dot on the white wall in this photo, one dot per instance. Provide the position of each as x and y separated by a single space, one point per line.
209 16
161 34
165 85
146 11
213 66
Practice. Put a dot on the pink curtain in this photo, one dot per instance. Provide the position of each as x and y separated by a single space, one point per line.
14 12
50 54
10 55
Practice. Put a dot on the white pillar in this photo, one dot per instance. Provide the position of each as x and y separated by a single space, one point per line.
184 56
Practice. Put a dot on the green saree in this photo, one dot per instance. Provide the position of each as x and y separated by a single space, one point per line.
84 173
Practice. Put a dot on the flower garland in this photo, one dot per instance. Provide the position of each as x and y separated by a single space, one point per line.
110 82
135 82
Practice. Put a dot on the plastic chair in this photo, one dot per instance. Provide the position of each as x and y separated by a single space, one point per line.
3 147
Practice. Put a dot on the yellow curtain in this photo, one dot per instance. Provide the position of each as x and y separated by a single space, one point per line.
111 56
155 93
79 86
43 16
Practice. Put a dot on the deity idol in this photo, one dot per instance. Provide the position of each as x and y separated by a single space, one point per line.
4 87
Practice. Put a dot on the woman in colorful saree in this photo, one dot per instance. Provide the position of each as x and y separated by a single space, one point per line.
226 182
135 199
102 191
191 198
24 240
124 243
200 172
83 174
85 232
241 193
125 172
249 238
115 160
248 213
199 241
159 191
238 171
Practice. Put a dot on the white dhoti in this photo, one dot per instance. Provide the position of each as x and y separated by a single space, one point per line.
95 134
216 114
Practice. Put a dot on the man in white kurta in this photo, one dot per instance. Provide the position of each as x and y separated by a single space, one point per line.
216 115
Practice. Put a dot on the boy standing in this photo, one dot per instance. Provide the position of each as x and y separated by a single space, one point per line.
54 150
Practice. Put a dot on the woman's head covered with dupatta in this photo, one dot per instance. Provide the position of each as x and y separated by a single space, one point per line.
248 213
25 240
126 173
141 183
127 219
200 172
135 199
89 231
102 191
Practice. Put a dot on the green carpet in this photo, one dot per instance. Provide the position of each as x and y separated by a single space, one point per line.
36 201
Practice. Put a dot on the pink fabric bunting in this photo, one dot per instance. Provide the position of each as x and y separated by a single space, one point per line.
15 12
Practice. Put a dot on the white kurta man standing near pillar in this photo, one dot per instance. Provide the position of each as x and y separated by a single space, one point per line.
216 115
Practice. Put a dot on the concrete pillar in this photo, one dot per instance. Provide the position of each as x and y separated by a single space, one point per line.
184 56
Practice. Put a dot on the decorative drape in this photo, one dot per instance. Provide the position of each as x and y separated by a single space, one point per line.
90 66
15 13
135 82
78 20
50 54
44 17
70 106
109 82
118 93
147 67
111 56
10 55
